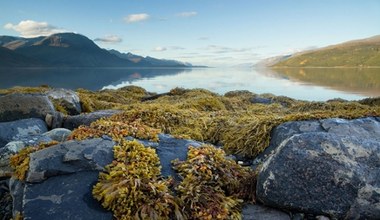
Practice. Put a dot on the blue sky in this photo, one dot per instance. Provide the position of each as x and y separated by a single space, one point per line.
208 32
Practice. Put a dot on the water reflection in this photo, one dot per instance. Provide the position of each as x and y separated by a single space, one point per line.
365 81
73 78
305 84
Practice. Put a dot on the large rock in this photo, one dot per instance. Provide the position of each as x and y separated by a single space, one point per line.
71 122
10 131
60 178
20 106
66 98
328 167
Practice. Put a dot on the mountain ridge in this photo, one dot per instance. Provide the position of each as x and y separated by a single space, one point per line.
355 53
67 50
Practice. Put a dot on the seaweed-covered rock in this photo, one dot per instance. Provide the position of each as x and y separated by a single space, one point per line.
328 167
20 106
60 178
67 99
14 130
71 122
5 200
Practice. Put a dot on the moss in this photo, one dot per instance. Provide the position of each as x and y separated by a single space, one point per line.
25 90
116 129
20 161
132 187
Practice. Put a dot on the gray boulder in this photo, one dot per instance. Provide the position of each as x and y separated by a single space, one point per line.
66 98
10 131
259 212
60 180
327 167
20 106
71 122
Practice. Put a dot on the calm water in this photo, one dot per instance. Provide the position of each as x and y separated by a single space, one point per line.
306 84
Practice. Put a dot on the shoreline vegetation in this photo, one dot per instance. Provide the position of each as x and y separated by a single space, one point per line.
239 123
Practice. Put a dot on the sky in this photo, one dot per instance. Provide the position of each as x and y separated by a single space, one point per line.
202 32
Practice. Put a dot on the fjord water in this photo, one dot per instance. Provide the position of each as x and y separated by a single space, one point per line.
313 84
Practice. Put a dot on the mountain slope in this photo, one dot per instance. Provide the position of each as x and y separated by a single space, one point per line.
358 53
9 58
69 50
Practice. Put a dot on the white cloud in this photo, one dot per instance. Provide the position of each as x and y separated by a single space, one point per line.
132 18
109 39
187 14
160 49
29 28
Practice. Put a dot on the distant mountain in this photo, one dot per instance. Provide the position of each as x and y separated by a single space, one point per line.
68 50
357 53
149 61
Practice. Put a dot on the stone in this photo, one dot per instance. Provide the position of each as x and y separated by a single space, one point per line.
72 122
169 149
70 157
54 120
261 100
330 169
58 134
66 98
20 106
14 130
259 212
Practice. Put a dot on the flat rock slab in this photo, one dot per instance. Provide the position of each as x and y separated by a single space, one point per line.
64 197
331 170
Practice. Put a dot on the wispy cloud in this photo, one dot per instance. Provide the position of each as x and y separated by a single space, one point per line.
203 38
223 49
187 14
133 18
176 48
160 49
109 39
30 28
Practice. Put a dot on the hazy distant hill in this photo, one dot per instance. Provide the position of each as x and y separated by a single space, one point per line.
149 61
358 53
66 49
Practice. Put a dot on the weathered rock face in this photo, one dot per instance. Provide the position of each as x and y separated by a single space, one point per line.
20 106
328 167
15 130
60 178
71 122
66 98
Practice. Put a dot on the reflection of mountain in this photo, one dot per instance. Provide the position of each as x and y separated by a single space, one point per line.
88 78
364 81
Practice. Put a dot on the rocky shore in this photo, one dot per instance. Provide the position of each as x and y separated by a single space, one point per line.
186 154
